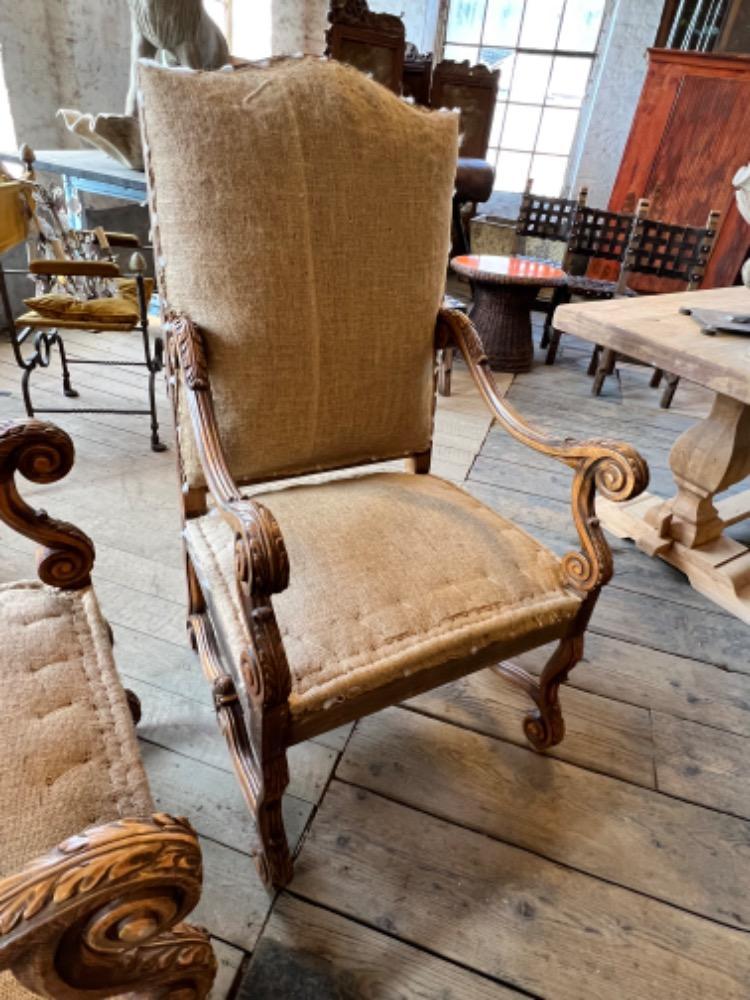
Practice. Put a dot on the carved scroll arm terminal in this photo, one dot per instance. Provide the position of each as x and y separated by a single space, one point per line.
101 914
43 453
614 470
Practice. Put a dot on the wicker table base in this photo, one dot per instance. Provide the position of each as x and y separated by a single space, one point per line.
502 316
504 292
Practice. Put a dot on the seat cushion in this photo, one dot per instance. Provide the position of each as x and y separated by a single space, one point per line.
390 573
67 738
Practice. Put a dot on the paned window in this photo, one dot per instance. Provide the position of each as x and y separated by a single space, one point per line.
545 50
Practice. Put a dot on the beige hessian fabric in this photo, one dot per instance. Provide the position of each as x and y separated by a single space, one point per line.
391 573
304 217
69 750
11 989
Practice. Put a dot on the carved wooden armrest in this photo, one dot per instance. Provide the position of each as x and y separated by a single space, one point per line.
43 453
83 268
611 468
100 915
261 560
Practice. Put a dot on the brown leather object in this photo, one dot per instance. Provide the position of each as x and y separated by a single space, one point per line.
474 179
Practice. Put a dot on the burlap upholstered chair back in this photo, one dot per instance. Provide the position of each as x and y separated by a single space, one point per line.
303 218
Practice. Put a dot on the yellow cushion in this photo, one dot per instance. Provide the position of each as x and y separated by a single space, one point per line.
128 288
54 306
304 220
390 574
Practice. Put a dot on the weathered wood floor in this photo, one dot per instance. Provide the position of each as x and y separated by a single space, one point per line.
441 858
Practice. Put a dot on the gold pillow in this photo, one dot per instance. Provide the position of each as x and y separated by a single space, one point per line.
122 308
128 288
118 310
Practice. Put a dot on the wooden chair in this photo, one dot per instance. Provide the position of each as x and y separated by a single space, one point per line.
544 217
80 262
93 880
550 219
595 234
678 254
373 43
473 90
318 602
417 76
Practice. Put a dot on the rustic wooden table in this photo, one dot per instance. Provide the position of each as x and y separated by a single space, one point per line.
687 530
505 289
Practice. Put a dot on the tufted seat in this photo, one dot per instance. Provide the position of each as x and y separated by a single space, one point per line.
64 721
65 729
390 573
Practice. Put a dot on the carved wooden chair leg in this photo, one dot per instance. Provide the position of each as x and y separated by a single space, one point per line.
544 727
606 367
445 370
545 338
656 377
669 390
554 343
594 360
263 774
273 860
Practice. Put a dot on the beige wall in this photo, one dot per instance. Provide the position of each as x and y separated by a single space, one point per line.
62 53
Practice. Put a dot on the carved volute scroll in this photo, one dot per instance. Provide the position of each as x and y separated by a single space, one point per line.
185 339
610 468
101 913
43 453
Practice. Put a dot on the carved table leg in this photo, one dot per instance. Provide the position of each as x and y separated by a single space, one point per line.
501 314
687 530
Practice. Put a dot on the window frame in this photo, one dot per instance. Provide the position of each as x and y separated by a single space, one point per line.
443 42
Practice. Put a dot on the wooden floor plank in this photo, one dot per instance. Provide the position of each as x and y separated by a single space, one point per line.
702 765
229 960
234 903
681 686
602 735
177 723
507 913
212 799
674 851
307 953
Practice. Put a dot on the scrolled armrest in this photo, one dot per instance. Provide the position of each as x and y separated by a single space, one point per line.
101 913
43 453
611 468
261 560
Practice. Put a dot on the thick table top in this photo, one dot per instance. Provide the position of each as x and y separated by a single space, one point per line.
93 164
652 329
508 270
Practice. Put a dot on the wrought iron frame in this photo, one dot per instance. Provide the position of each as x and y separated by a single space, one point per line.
48 337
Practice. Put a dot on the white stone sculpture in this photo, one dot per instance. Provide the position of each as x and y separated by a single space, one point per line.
741 181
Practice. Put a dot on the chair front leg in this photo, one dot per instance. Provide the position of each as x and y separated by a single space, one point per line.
554 343
669 390
594 360
445 371
606 367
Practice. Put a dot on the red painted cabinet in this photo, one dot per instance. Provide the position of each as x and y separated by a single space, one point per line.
690 133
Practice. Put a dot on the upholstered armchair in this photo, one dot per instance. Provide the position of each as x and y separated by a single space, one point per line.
302 337
94 882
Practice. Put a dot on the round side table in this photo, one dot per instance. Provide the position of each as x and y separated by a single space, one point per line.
505 289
